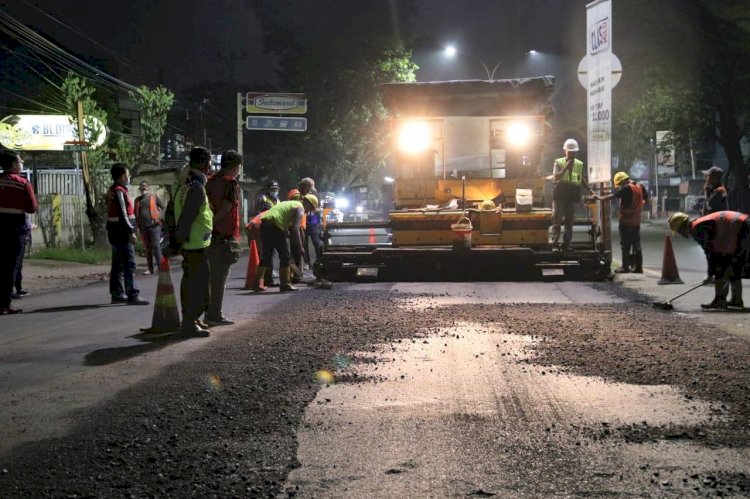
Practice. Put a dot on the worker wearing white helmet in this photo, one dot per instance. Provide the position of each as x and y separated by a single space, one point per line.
568 175
725 238
633 197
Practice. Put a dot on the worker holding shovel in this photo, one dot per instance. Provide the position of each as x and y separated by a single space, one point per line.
725 238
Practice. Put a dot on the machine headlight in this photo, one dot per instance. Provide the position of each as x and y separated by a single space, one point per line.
342 203
413 137
518 134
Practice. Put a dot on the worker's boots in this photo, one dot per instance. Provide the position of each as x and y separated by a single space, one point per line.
285 278
721 288
638 262
625 268
736 301
259 274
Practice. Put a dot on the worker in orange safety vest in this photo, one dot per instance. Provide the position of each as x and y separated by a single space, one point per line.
725 237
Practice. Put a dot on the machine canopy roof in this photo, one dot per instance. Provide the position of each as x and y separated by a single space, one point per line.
519 96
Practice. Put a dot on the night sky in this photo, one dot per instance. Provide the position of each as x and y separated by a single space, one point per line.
192 41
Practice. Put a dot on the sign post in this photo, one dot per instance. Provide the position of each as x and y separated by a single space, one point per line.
599 90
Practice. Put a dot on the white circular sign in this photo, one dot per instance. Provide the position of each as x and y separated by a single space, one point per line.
583 71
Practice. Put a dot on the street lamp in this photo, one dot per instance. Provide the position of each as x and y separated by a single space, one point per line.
451 51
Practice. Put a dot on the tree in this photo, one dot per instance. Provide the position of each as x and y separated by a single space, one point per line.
155 106
75 88
344 141
725 80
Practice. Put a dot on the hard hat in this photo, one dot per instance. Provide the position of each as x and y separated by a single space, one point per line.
293 195
487 204
570 145
273 184
620 177
313 200
714 170
677 220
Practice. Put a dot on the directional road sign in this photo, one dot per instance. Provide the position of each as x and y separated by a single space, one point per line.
276 123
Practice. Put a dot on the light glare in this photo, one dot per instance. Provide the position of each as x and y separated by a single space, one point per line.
414 137
518 134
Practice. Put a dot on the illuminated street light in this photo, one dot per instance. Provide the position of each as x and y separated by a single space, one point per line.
451 51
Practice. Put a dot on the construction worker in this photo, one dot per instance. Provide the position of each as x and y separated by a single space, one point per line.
632 197
148 209
268 199
121 228
725 238
224 196
568 177
193 233
17 199
283 219
305 186
715 200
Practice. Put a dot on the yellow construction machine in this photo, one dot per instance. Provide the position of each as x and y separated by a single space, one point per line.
472 197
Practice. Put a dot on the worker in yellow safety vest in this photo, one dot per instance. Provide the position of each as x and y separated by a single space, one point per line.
568 177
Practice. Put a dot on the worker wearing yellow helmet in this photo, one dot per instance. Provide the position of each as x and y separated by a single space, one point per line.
633 197
568 174
725 238
284 218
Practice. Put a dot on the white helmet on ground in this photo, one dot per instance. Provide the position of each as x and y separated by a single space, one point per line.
570 145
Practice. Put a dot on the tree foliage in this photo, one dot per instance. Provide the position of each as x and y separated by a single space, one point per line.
339 71
74 89
155 105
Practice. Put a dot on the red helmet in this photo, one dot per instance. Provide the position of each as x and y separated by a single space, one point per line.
293 195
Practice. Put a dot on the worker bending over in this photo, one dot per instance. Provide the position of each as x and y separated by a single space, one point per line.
725 238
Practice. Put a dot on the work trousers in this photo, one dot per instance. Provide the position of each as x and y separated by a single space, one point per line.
563 212
18 271
630 240
313 234
274 239
13 245
194 287
123 269
220 260
151 237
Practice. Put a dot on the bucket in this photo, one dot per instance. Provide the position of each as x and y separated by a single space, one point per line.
461 231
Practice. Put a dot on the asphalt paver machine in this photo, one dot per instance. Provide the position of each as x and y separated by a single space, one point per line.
472 198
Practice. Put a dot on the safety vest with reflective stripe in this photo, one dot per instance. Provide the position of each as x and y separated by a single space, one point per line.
16 195
200 230
153 212
113 206
572 176
727 226
630 216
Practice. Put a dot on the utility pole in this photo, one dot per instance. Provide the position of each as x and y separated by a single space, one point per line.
88 188
240 125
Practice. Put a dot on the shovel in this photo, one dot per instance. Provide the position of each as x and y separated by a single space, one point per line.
667 305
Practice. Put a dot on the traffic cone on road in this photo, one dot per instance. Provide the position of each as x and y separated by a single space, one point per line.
166 317
253 261
371 239
669 272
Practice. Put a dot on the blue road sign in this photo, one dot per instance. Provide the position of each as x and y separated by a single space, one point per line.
277 124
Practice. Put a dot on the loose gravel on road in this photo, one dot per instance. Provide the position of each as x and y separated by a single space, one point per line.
223 423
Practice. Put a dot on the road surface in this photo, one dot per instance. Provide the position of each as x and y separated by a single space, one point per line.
377 390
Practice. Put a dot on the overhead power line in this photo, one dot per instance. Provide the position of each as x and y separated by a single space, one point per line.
55 54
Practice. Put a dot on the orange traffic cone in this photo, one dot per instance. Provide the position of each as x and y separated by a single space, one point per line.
371 239
669 272
166 316
253 261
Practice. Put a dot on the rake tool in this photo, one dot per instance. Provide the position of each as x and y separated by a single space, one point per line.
667 305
